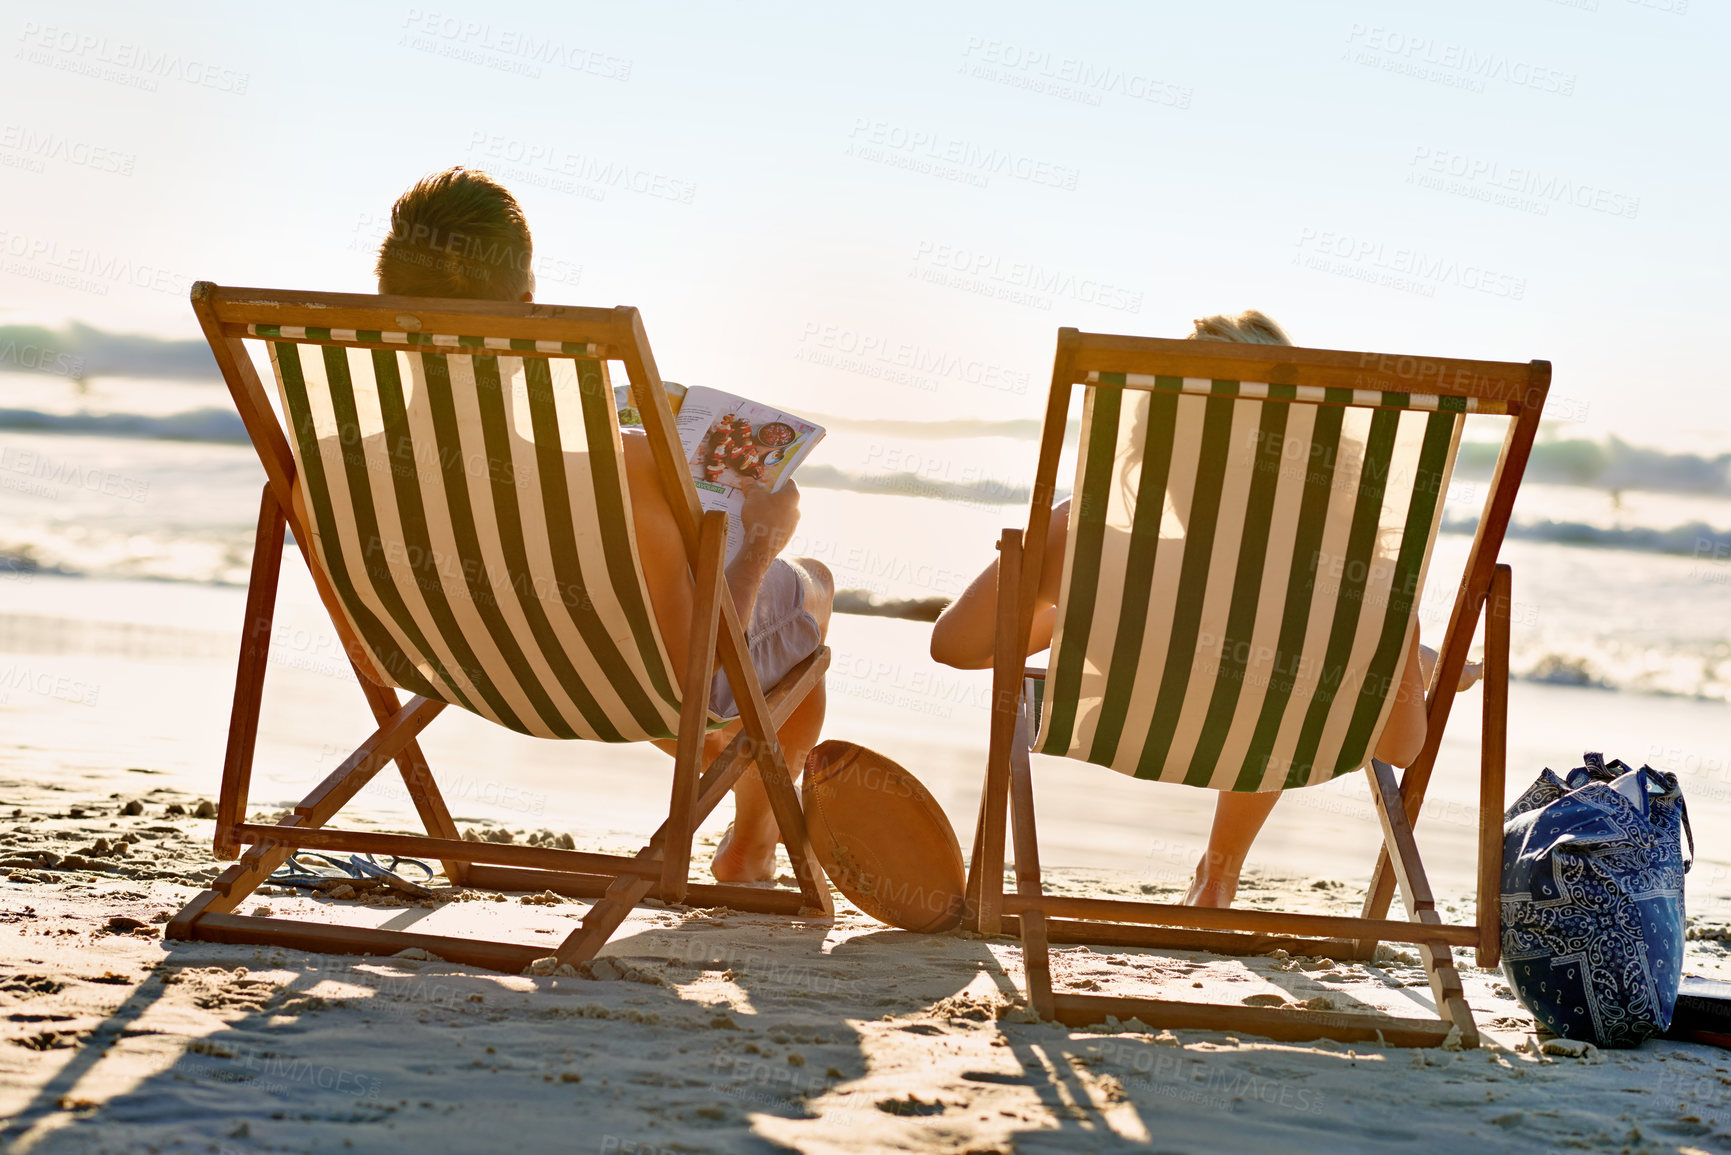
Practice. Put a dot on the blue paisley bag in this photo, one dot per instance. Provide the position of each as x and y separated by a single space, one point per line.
1592 901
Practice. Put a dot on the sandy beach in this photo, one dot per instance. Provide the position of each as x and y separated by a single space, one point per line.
906 230
712 1030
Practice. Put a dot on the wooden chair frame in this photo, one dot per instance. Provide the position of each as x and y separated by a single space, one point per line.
661 868
1514 388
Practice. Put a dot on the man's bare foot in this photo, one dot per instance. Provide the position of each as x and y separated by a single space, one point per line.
738 861
1208 891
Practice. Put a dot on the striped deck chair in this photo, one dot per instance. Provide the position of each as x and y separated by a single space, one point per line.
454 475
1250 529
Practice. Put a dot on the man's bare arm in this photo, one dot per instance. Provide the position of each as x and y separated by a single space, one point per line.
769 520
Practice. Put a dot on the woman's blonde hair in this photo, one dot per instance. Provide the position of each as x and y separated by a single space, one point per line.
1250 327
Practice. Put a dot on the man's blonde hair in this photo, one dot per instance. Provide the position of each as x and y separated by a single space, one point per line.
1250 327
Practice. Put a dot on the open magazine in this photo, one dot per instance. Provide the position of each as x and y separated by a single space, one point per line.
727 441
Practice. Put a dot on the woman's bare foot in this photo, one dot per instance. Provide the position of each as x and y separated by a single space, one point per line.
1209 891
739 860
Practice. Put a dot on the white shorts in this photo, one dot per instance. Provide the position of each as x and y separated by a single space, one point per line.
780 635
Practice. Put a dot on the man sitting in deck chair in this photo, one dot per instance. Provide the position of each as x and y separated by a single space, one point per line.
962 638
458 233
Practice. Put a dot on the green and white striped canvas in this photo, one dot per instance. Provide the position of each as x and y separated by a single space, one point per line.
1239 579
472 514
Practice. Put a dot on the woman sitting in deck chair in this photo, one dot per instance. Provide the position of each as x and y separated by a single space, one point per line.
963 635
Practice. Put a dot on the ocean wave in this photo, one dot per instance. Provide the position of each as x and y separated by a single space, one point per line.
82 352
218 425
870 605
1612 464
984 491
1670 673
1024 429
1565 670
21 561
1691 539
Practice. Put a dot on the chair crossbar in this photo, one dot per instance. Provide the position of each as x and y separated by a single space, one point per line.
324 938
407 845
1303 394
1237 919
757 899
1283 1023
436 342
1226 942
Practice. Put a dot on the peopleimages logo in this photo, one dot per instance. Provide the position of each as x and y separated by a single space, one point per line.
1363 258
857 350
1066 77
507 49
107 59
1529 189
566 171
1018 279
86 269
1453 65
938 154
40 359
46 146
55 475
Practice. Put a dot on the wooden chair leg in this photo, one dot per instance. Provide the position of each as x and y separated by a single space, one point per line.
758 723
1036 962
233 885
977 853
1022 809
1402 848
734 761
986 887
1416 780
605 917
1380 895
694 715
418 778
1493 765
626 891
790 820
249 678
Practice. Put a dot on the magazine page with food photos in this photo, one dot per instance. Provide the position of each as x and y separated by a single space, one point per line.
730 442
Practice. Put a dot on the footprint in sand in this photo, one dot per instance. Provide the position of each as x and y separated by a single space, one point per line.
30 986
217 989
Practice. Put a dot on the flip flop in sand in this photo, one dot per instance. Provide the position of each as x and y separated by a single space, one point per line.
310 869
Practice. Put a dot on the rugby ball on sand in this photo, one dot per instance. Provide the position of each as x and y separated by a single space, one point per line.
883 839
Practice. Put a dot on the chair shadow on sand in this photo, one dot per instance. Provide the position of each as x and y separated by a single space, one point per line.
434 1043
1162 1090
439 1050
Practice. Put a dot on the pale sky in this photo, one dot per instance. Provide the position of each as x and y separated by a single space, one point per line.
930 190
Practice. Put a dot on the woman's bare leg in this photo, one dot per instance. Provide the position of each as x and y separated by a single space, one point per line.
1237 819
